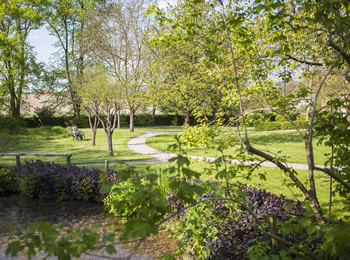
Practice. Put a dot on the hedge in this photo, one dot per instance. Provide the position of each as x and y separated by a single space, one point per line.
10 122
83 121
47 180
270 126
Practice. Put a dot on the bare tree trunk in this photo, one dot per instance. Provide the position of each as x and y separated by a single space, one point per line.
132 122
93 141
176 119
310 164
154 113
93 127
110 143
187 119
12 90
118 119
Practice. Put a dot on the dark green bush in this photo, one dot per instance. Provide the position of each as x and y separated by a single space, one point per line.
27 186
270 126
83 121
58 120
44 115
45 180
9 182
9 122
144 120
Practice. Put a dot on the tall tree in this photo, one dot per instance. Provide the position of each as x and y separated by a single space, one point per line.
118 40
255 40
17 19
66 21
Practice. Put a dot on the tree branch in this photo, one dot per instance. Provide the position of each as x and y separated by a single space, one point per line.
334 176
304 61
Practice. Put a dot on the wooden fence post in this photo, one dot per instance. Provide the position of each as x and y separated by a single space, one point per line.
106 166
18 161
68 161
273 223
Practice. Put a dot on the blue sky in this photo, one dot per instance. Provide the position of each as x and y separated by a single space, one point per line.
43 42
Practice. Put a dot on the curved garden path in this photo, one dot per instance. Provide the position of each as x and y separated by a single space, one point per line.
138 145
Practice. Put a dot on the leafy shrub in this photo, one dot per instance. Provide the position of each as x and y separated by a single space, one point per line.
137 199
280 118
27 186
57 120
9 122
218 230
44 115
144 120
284 125
118 203
45 180
9 182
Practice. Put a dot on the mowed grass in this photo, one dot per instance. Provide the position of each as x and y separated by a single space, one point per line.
276 182
43 141
82 151
286 144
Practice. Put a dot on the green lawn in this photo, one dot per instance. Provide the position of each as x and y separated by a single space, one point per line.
53 142
82 152
287 144
274 183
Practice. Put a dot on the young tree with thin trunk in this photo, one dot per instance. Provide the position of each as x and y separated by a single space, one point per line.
101 95
118 40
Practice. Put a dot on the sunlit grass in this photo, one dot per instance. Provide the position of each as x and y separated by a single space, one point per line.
35 141
82 152
288 144
276 182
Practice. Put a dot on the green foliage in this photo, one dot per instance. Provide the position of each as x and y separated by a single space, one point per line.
9 122
118 202
137 198
9 182
45 115
311 241
196 228
332 127
282 125
59 120
27 186
280 118
210 135
17 62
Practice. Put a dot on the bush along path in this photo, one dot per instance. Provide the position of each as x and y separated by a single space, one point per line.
138 145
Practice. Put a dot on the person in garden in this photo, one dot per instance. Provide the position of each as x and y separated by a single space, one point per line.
77 134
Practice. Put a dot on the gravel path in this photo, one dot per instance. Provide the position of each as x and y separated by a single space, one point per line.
138 145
